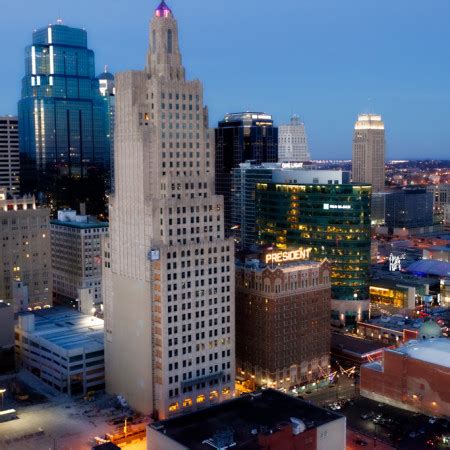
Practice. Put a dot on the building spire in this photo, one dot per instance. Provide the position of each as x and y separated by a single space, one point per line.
163 10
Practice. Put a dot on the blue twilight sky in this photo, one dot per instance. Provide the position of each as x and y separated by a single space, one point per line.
326 60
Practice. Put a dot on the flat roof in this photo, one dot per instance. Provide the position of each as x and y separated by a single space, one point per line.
265 411
80 225
430 267
68 329
433 351
354 345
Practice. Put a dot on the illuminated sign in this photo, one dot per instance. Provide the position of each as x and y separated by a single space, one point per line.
289 165
395 263
328 206
293 255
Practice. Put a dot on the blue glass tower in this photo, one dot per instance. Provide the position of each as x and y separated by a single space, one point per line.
64 125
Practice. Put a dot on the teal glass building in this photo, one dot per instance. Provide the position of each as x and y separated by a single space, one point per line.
334 221
64 132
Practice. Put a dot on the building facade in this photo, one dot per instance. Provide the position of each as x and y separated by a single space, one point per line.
293 142
77 259
241 137
243 191
9 155
169 290
413 376
62 347
334 221
64 144
281 309
441 197
402 208
368 157
25 253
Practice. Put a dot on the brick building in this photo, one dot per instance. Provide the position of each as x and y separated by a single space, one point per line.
414 376
282 312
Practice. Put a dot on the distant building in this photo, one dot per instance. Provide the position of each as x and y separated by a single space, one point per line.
107 88
441 197
64 348
25 253
6 337
240 137
409 208
334 221
265 420
437 252
368 157
64 144
77 259
281 309
293 142
447 217
9 155
414 376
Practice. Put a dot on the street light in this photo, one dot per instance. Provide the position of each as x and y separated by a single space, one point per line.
2 392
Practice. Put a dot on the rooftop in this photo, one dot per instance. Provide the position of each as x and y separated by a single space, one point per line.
68 329
353 345
430 267
433 351
248 416
80 225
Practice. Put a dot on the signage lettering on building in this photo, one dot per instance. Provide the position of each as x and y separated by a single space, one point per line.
395 263
292 255
330 206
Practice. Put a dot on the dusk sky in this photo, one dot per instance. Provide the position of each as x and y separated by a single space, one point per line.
325 60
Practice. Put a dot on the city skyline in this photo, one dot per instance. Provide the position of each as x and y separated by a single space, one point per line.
344 62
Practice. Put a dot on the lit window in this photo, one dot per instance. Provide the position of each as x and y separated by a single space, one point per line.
173 407
187 402
201 398
213 395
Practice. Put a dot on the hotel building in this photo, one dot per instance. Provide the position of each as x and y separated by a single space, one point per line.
169 275
281 309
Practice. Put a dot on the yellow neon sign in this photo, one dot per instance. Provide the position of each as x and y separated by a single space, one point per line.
293 255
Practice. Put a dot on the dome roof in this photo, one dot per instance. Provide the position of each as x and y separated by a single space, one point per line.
106 76
163 10
430 330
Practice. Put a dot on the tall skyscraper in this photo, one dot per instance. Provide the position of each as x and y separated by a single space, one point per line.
368 156
241 137
169 271
108 92
9 155
293 142
64 145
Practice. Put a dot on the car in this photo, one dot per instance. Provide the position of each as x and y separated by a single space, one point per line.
361 442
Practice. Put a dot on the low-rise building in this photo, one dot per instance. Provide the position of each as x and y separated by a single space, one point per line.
264 420
6 337
413 376
77 259
63 347
349 351
438 253
281 309
25 253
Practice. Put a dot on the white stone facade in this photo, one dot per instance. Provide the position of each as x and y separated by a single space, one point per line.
369 148
293 142
169 271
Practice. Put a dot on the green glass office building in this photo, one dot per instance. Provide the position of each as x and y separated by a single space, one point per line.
334 221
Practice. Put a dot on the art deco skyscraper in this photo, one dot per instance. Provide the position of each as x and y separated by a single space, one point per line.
369 151
169 271
293 142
